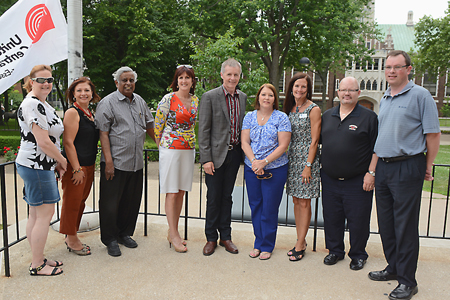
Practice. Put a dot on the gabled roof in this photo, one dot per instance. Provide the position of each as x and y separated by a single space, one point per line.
402 35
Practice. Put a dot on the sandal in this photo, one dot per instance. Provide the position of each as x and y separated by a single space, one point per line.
34 271
297 255
83 252
254 253
290 252
58 263
265 255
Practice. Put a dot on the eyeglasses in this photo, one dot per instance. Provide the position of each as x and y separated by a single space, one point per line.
264 176
396 68
349 91
186 66
43 79
81 78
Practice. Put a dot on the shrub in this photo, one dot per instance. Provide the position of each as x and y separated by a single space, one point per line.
9 141
445 110
10 153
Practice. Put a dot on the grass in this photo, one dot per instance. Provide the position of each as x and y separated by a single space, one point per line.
441 174
444 122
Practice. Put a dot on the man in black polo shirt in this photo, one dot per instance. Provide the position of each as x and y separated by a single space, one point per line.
349 132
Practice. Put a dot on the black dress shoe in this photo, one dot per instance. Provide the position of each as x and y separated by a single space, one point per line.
403 292
113 249
382 275
127 241
357 264
331 259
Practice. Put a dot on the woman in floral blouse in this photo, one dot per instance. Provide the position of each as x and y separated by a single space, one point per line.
175 137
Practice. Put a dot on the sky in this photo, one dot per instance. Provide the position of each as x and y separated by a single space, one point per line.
396 11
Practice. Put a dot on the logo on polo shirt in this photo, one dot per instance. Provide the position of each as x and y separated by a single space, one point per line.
352 127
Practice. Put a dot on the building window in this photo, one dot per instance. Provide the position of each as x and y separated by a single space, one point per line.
318 84
337 84
429 84
369 65
381 85
358 65
362 85
281 83
368 45
374 85
368 85
375 63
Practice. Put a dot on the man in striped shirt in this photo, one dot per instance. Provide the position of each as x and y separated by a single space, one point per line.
123 119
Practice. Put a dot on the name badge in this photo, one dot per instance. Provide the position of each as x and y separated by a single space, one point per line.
302 116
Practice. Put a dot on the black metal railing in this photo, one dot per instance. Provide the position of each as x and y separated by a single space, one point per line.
11 207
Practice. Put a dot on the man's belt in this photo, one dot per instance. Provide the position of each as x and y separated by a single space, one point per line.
232 147
399 158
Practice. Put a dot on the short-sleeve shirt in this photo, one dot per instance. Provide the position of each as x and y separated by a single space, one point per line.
174 124
33 111
127 124
404 120
264 139
347 145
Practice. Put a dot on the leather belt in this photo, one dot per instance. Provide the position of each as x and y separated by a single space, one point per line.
232 147
399 158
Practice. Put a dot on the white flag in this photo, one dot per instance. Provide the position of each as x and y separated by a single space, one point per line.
33 32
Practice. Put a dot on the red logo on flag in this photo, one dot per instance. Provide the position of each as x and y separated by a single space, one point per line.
38 21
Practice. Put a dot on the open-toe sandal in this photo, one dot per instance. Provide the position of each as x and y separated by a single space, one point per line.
265 255
297 255
34 271
57 263
254 253
83 252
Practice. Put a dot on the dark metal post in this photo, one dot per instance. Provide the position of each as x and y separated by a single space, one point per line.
5 221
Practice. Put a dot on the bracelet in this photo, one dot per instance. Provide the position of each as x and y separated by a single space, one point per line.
77 171
253 159
265 159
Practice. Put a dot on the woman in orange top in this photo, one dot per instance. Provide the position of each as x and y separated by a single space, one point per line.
175 137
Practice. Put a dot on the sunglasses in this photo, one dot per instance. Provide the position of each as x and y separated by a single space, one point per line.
43 79
186 66
264 176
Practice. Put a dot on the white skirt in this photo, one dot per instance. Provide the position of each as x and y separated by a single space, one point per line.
176 169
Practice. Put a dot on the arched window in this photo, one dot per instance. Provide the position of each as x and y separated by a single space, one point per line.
374 85
362 85
368 85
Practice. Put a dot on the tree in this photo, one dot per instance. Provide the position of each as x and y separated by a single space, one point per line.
209 58
146 35
432 41
272 28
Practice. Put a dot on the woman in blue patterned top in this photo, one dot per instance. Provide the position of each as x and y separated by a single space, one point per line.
265 137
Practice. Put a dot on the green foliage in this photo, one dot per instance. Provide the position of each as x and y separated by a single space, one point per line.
441 173
445 110
433 40
146 35
209 58
12 142
10 153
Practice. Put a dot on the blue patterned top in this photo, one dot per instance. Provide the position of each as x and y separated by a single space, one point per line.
264 139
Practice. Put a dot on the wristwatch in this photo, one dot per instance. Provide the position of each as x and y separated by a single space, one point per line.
308 164
372 173
265 159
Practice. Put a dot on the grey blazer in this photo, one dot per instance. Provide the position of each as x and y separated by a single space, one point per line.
214 127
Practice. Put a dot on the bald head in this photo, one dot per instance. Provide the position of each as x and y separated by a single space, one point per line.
349 91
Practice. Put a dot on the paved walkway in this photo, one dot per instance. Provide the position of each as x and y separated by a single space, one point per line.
154 271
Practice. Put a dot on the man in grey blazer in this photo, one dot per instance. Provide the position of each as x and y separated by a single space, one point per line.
220 116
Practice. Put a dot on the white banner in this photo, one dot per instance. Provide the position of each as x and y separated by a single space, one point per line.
33 32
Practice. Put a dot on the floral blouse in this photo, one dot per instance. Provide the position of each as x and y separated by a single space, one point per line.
174 124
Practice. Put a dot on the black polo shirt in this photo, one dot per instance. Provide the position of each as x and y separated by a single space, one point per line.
347 146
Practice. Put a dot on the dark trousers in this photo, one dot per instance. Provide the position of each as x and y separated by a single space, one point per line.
120 200
346 199
219 199
264 198
398 191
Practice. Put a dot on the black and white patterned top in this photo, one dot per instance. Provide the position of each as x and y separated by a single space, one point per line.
42 114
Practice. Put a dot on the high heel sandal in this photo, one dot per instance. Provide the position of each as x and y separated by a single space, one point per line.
34 271
289 253
297 255
182 241
82 252
182 249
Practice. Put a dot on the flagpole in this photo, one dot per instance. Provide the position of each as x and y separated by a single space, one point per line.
75 39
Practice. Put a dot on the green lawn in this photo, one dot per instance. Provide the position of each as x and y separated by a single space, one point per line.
441 173
444 122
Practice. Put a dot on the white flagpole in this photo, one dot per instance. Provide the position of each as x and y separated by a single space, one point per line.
75 39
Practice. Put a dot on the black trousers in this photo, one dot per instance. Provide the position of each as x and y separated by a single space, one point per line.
120 200
398 191
341 200
219 200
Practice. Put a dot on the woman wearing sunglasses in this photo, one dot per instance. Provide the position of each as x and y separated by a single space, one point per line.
38 158
80 148
265 137
175 136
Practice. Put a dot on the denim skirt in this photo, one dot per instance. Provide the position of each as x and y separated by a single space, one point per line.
40 186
